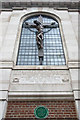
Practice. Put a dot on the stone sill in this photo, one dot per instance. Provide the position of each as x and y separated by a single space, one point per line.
39 67
40 96
11 65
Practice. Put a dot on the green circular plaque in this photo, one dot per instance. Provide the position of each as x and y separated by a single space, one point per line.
41 112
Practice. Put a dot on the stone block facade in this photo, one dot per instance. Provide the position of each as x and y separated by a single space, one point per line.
23 88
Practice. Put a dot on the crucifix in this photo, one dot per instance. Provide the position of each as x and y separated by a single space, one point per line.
38 24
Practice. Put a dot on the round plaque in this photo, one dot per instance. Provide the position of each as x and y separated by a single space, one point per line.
41 112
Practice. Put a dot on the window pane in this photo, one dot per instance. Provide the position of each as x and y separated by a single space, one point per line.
53 48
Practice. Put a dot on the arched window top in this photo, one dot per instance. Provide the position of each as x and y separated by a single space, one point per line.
46 19
53 53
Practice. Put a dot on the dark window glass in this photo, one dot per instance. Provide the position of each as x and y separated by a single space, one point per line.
53 48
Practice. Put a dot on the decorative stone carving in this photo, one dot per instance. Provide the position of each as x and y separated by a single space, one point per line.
15 80
40 77
65 80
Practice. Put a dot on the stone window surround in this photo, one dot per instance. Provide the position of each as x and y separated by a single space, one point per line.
63 17
40 66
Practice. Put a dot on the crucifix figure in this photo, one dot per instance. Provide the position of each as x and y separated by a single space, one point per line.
38 24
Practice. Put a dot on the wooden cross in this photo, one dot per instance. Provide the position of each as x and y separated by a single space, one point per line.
38 24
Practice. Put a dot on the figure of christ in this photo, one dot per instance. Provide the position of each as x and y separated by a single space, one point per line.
39 35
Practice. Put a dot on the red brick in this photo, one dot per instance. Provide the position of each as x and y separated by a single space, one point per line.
25 109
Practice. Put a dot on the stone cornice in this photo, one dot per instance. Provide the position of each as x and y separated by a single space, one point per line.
53 4
39 0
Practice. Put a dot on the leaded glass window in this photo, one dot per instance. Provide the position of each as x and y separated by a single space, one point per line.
52 45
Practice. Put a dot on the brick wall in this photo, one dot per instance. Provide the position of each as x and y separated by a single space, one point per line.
25 109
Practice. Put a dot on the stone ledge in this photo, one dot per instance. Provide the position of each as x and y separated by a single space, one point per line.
40 96
6 64
40 0
73 64
69 4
